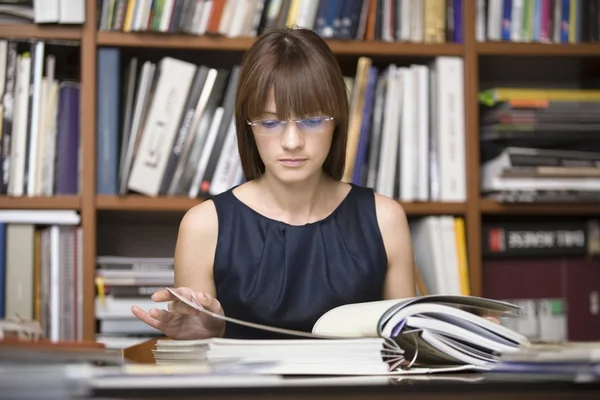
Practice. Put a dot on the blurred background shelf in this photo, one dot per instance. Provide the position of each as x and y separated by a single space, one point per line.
492 207
539 49
42 203
346 47
145 203
40 32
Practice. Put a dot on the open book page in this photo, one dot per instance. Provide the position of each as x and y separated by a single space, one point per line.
360 319
252 324
452 315
472 304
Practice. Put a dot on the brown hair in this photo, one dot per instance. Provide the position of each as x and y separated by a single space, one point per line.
305 78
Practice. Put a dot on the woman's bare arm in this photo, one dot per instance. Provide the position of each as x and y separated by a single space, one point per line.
400 280
195 249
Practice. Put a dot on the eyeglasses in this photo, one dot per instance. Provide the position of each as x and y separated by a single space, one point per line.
271 127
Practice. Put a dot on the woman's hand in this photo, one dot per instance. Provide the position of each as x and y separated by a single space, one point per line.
182 321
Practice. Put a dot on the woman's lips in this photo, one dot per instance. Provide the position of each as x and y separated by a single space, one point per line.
292 162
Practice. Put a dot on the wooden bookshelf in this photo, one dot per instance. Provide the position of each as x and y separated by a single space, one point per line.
157 40
144 203
538 49
89 204
180 203
172 41
492 207
432 208
56 32
40 203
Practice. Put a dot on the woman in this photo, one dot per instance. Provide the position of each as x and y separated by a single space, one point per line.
293 241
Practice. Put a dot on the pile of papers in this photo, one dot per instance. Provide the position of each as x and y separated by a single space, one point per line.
363 356
581 359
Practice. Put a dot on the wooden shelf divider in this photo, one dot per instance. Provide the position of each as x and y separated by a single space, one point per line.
58 32
41 203
177 41
492 207
538 49
145 203
181 203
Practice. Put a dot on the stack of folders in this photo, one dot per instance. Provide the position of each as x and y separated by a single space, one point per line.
417 335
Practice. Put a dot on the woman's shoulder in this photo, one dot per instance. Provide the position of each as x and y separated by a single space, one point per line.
392 219
389 211
200 222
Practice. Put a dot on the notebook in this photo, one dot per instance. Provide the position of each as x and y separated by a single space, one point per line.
434 333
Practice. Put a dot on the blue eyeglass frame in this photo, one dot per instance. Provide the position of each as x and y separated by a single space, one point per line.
254 123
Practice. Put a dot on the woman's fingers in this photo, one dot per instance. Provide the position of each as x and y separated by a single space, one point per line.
163 295
209 302
180 307
161 315
147 318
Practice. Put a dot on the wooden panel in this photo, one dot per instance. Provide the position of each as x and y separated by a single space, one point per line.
88 168
492 207
40 32
42 203
539 49
172 41
145 203
430 208
159 204
473 217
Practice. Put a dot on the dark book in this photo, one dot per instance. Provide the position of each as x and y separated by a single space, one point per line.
576 280
536 239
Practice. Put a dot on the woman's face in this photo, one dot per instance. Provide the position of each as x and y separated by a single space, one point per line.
294 151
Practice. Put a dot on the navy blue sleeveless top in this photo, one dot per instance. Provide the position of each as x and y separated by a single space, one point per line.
270 272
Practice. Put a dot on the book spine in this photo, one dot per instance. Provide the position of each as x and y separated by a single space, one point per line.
534 239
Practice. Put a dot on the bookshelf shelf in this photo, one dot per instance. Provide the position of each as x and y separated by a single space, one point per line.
41 203
40 32
395 49
161 204
177 41
144 203
432 208
172 41
492 207
538 49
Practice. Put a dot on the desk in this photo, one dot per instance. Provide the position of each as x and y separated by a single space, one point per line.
439 387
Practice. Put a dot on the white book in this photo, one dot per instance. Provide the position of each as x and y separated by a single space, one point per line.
161 125
389 139
46 11
226 164
451 129
72 11
206 152
423 129
3 60
19 130
407 159
40 217
450 254
36 105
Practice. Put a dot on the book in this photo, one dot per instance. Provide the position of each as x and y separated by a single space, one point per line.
427 334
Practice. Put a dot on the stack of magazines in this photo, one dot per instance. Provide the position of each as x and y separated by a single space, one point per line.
416 335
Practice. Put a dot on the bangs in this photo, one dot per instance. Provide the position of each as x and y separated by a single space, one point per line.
300 86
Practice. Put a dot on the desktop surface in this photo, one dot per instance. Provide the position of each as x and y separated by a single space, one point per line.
451 386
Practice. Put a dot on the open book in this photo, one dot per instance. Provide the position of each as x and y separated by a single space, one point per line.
428 331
